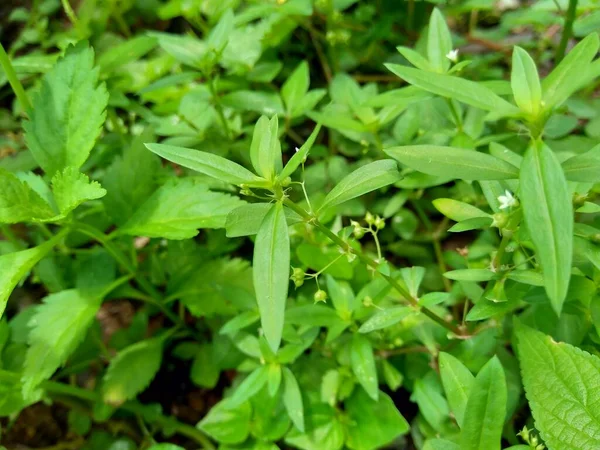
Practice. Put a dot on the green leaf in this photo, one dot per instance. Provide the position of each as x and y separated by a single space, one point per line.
71 188
439 42
453 162
227 423
365 179
413 57
441 444
300 155
486 409
562 385
245 220
165 446
470 275
465 91
267 103
386 318
205 370
250 386
178 209
362 361
271 271
561 83
57 327
548 213
458 211
295 87
525 82
19 202
115 57
187 50
373 423
14 266
208 164
265 149
458 382
219 35
68 112
292 399
131 371
583 168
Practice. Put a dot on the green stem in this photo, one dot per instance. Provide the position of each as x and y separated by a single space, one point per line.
371 263
69 11
567 31
218 106
54 388
506 237
13 80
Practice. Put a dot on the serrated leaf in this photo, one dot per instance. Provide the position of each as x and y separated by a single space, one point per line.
548 212
14 266
271 269
362 362
439 42
584 168
71 188
562 384
453 162
178 209
365 179
227 423
300 155
19 202
250 386
68 112
486 409
469 92
208 164
386 318
525 82
292 399
57 327
457 381
131 371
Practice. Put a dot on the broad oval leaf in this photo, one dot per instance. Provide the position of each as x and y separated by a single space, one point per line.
208 164
271 271
362 361
453 162
486 409
548 213
386 318
457 381
364 179
562 384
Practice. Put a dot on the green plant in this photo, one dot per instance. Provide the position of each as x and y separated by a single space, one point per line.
300 271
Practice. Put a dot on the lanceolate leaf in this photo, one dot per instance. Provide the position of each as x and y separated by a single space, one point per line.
562 384
68 112
131 371
363 365
386 318
265 149
250 386
457 381
584 168
525 82
548 212
271 271
458 211
486 409
300 156
292 399
439 42
453 162
208 164
364 179
57 327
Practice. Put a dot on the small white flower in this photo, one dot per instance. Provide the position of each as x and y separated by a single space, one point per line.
507 200
297 149
453 55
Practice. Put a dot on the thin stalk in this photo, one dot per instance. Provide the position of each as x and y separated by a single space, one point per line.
218 106
69 12
14 81
54 388
506 237
567 31
371 263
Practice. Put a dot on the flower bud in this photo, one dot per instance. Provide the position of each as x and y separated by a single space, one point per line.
367 301
369 218
320 296
500 220
379 223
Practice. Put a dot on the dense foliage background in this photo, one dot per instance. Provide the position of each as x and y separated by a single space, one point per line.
314 224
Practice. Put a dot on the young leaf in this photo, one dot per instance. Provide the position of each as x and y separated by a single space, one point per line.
458 211
68 112
57 327
178 209
457 381
525 82
548 213
208 164
386 318
292 399
19 202
227 423
583 168
265 149
363 365
300 155
415 59
486 409
439 42
465 91
295 87
562 385
560 84
131 371
453 162
364 179
271 269
14 266
250 386
71 188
